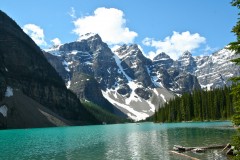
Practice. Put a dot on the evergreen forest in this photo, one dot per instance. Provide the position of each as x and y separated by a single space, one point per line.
200 105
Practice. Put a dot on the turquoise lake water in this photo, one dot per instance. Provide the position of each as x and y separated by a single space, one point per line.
120 141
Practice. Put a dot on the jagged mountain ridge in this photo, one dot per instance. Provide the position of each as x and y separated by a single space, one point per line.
90 58
212 71
131 82
135 84
215 70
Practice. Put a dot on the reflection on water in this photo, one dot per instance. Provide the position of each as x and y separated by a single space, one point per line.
137 142
122 141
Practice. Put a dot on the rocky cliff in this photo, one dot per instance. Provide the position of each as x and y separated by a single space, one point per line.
24 68
215 70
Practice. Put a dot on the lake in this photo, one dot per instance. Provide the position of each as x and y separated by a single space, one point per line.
119 141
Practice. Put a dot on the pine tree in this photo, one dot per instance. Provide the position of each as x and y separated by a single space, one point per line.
235 46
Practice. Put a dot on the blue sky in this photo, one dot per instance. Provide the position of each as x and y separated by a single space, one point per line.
200 26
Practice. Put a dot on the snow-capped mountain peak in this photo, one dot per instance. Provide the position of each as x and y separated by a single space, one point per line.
186 62
161 56
127 50
214 71
133 83
87 36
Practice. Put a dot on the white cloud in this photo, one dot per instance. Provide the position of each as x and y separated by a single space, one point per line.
36 33
109 23
72 12
151 55
176 44
56 41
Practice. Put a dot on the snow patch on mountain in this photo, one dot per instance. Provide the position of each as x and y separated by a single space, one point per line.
86 36
155 78
133 95
215 70
65 64
3 110
163 97
9 92
54 50
118 62
155 91
133 114
68 84
152 106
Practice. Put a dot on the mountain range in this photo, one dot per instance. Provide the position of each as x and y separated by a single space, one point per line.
131 82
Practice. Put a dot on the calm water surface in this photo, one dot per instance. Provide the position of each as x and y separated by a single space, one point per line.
121 141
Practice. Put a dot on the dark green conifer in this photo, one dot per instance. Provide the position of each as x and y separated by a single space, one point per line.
235 46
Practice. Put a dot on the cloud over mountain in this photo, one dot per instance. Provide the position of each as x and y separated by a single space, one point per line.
36 33
56 41
109 23
176 44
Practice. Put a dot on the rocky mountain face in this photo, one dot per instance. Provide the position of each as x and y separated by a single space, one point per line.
90 67
176 76
25 71
127 79
186 63
131 82
211 71
215 70
87 88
